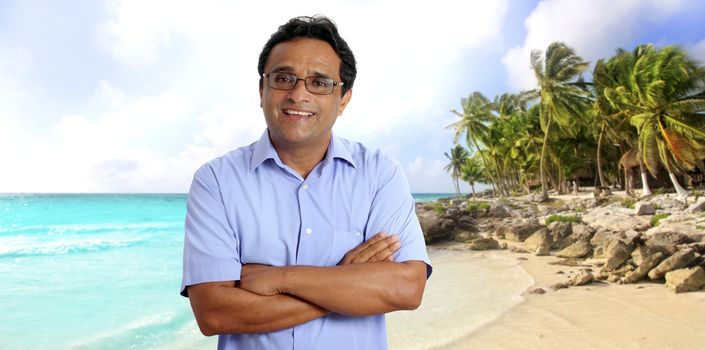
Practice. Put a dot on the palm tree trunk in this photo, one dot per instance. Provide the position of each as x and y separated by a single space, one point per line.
599 158
645 190
682 193
472 186
489 171
544 189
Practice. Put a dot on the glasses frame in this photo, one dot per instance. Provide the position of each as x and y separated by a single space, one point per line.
305 80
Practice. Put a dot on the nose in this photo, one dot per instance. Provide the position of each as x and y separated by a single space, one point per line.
299 93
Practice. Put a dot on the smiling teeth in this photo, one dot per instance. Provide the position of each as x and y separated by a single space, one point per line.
304 114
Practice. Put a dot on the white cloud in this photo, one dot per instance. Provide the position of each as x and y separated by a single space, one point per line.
594 28
427 176
698 51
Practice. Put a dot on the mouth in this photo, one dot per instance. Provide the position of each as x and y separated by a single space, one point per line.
297 113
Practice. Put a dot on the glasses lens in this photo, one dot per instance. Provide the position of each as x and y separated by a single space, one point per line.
318 85
283 81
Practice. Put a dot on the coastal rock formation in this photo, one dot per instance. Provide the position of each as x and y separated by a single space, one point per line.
499 211
643 268
642 208
539 242
582 278
686 280
434 227
483 243
676 261
520 231
579 249
616 218
696 207
617 253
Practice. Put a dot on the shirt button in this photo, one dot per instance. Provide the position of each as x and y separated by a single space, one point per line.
305 186
309 231
358 233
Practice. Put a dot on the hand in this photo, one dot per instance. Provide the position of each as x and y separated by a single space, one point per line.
261 279
379 248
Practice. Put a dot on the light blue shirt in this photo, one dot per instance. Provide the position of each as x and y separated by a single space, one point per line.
248 207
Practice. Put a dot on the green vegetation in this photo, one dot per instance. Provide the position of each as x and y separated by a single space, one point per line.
438 207
657 218
561 218
645 106
628 202
700 227
477 206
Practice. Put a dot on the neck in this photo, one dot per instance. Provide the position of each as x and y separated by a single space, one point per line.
301 158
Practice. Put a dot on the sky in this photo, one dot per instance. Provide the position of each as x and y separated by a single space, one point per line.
134 96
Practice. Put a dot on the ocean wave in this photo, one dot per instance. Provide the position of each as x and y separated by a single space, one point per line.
25 248
141 333
92 228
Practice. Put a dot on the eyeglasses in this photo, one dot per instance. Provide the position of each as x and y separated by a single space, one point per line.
314 85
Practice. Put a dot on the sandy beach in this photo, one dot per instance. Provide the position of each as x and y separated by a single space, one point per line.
599 315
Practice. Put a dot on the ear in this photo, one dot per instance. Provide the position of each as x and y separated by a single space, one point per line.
260 96
344 101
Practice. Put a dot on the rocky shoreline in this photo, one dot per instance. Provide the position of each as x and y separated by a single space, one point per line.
614 239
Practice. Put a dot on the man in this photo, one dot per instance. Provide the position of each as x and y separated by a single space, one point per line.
302 240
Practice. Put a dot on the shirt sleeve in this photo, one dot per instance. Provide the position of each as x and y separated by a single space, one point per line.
211 247
394 211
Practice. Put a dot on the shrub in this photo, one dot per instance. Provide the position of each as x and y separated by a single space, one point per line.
628 203
657 218
561 218
438 207
478 206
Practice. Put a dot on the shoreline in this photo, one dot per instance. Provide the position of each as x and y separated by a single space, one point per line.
555 311
636 316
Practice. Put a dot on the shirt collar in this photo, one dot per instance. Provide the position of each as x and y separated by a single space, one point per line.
265 150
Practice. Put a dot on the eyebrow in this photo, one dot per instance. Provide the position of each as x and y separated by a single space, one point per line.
289 69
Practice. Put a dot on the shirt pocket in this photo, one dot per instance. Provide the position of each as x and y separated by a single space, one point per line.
343 242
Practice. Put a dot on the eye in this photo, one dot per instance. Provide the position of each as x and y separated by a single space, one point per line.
321 82
283 78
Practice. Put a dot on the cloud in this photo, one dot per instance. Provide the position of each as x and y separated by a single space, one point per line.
698 51
594 28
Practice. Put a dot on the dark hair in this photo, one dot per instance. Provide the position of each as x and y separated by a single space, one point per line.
315 27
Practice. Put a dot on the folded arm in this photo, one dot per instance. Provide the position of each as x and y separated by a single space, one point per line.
225 307
354 289
221 307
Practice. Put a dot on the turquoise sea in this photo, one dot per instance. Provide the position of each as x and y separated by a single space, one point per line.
96 271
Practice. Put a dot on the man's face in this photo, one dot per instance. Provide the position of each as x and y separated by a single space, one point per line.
283 109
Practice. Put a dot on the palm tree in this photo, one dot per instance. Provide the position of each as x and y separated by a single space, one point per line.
562 99
458 158
472 172
477 113
664 102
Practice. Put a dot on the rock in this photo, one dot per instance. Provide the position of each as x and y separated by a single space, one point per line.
642 208
666 239
467 223
434 227
499 211
463 236
614 278
603 239
558 286
617 253
579 249
559 233
522 230
686 280
536 239
537 291
616 218
696 207
518 250
642 252
582 278
484 243
643 267
679 260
